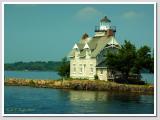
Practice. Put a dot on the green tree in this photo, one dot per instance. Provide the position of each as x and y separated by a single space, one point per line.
64 69
37 65
129 60
152 65
123 60
143 60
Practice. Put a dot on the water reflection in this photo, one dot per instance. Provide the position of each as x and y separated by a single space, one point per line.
124 97
25 100
103 96
87 96
86 102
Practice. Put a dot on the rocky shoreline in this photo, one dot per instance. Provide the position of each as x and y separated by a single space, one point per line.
95 85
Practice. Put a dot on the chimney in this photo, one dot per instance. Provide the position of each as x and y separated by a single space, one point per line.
85 35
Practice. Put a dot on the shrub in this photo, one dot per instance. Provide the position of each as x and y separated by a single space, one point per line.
96 77
32 83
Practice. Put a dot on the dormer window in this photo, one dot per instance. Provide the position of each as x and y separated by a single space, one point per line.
76 51
87 51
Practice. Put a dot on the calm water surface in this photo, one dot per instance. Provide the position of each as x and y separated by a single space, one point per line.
25 100
28 100
32 74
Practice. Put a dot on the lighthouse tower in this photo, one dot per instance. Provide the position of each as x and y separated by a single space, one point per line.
105 24
105 28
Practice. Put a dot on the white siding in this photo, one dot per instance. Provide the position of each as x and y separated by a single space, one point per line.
102 73
85 68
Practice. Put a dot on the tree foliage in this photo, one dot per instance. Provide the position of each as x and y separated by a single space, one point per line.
38 65
143 60
64 69
123 61
128 60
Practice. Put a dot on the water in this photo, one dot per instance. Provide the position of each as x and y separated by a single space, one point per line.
149 78
32 74
28 100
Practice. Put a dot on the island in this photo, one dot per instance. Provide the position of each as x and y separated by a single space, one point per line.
94 85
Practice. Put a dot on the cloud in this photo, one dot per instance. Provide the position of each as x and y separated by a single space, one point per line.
88 13
131 15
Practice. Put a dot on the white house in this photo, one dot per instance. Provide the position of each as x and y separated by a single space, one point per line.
88 55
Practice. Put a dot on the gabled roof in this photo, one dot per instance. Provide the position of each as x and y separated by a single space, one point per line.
101 43
112 41
75 46
86 46
96 45
83 53
71 54
101 65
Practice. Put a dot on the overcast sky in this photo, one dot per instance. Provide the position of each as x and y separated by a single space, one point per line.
48 32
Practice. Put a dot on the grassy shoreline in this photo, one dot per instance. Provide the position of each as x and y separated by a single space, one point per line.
94 85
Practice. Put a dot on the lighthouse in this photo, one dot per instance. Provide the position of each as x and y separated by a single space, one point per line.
105 24
105 28
87 57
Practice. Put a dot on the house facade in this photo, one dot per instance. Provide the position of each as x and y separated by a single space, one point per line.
88 55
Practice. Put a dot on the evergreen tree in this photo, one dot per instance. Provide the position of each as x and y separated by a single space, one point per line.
123 60
129 60
143 59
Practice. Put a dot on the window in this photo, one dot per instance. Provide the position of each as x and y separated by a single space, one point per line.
101 71
84 67
80 68
74 68
91 68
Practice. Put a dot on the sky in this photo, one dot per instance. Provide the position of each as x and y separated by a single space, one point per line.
48 32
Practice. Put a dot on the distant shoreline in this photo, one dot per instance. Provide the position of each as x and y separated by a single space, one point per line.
92 85
26 70
33 66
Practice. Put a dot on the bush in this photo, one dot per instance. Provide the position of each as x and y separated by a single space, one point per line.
32 83
96 77
129 81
